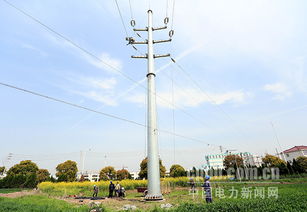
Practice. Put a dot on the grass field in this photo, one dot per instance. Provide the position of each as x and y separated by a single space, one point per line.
38 203
10 190
292 195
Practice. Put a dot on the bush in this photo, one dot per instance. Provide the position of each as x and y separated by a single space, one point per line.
19 181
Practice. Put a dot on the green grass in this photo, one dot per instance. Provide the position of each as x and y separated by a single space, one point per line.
291 197
11 190
38 203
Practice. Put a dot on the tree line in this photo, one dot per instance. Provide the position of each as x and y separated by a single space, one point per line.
26 174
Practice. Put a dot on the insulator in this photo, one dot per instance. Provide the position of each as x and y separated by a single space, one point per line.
171 33
166 20
132 23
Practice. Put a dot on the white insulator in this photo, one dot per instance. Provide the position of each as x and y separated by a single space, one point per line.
166 20
132 23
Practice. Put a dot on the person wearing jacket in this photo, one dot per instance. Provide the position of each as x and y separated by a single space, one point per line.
111 189
207 189
96 189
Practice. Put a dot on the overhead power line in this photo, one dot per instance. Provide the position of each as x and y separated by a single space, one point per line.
189 77
94 56
97 112
131 13
71 104
173 11
121 17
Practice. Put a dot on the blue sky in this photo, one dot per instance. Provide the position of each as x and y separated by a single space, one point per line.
248 56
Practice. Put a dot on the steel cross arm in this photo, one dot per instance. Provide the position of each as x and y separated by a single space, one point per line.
140 29
140 42
159 28
161 55
162 41
139 57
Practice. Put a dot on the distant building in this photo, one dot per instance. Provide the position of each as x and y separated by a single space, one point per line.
3 175
215 161
134 175
91 176
257 160
294 152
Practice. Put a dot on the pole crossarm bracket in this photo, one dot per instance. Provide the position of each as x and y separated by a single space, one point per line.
139 57
161 55
159 28
162 41
146 29
140 42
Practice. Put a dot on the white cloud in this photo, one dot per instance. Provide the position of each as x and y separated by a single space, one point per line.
280 90
33 48
98 97
105 84
97 89
189 97
106 62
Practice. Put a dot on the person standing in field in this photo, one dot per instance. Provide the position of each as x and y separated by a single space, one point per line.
192 184
111 189
96 189
207 189
117 189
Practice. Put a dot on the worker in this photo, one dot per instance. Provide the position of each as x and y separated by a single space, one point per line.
192 184
207 189
96 189
111 189
122 192
117 189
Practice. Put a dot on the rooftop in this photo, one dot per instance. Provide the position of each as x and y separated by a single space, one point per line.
295 148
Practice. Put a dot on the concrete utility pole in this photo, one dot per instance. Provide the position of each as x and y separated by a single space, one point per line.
153 167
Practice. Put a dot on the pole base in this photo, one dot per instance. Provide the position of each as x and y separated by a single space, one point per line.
153 197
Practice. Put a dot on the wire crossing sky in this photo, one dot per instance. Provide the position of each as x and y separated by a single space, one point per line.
247 60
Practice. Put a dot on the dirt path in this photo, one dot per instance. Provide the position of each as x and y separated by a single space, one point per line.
19 194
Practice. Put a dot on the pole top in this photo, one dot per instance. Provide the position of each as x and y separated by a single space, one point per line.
149 11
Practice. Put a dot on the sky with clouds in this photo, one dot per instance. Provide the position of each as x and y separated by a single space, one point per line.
247 61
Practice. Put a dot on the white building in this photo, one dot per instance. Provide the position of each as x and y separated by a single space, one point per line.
91 176
215 161
134 175
257 160
3 175
294 153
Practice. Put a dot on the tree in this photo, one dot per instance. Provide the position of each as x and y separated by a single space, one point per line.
143 172
232 161
2 169
67 171
23 168
177 171
123 174
302 163
107 173
272 161
42 175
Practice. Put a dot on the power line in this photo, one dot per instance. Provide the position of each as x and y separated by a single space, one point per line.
121 17
131 13
124 25
200 88
71 104
95 111
206 94
173 11
92 55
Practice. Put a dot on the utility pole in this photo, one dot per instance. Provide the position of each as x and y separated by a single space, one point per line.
153 165
275 133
